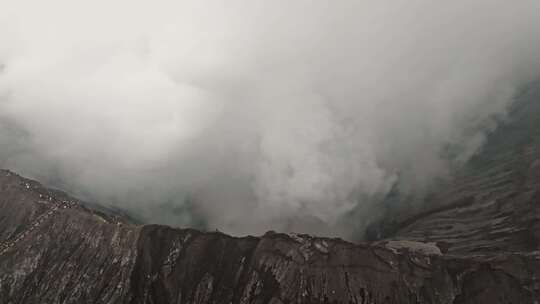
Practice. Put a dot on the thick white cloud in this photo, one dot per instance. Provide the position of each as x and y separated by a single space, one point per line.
267 114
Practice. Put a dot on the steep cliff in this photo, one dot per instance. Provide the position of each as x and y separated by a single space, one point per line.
55 250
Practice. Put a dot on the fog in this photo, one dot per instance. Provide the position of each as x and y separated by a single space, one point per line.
248 115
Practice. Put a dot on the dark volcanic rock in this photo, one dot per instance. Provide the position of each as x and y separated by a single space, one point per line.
58 251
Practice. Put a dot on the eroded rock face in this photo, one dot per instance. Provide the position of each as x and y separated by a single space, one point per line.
57 251
77 255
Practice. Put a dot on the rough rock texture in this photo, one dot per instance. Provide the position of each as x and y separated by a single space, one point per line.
477 242
54 250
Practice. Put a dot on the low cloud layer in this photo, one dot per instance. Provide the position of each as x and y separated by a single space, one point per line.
249 115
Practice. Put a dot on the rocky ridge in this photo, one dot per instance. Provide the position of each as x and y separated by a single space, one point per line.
59 251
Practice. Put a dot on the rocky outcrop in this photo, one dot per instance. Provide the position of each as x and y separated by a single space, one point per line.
58 251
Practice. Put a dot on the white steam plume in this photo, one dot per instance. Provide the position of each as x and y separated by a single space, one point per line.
260 114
